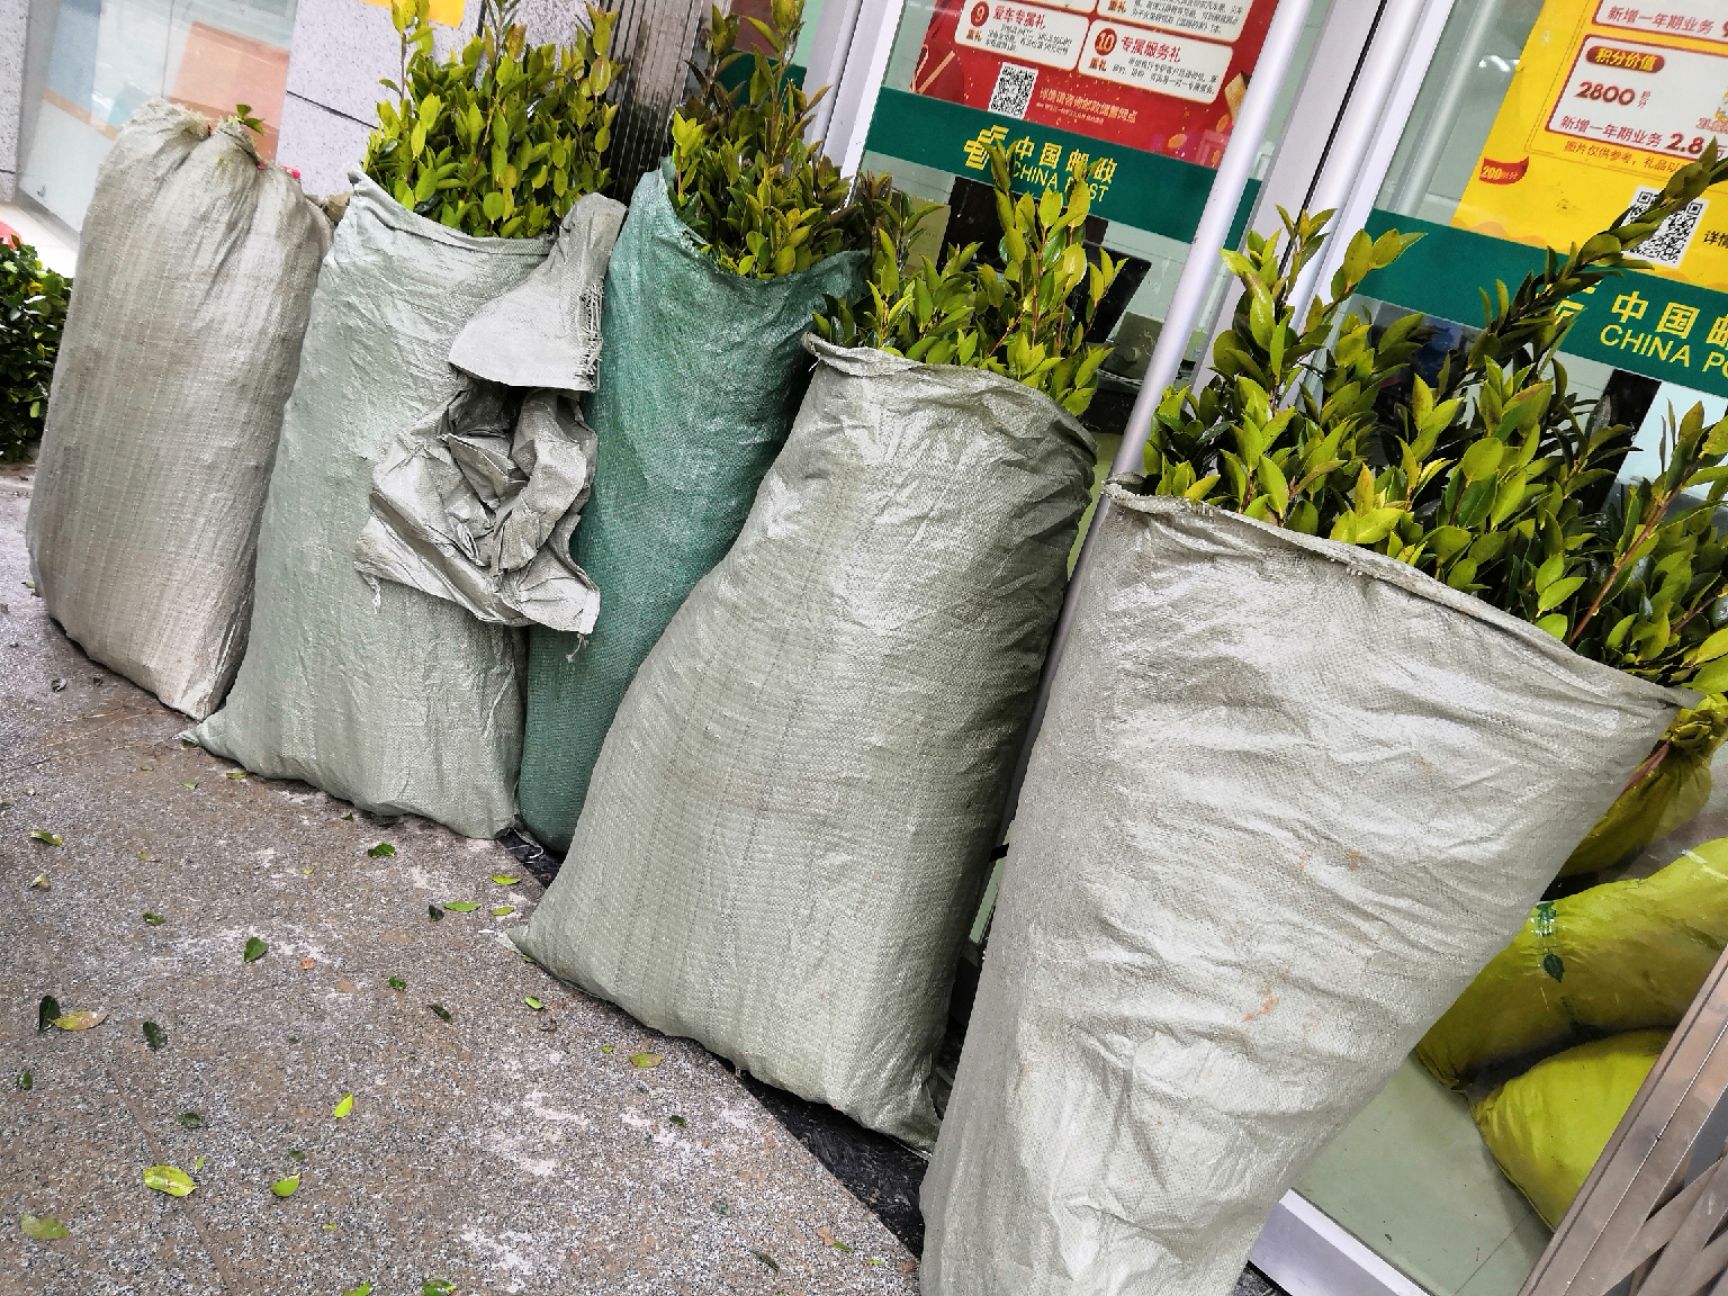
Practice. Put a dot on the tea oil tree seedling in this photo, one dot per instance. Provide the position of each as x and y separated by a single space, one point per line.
762 201
1492 478
1030 320
503 138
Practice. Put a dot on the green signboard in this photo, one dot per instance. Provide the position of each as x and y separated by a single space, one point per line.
1147 190
1644 323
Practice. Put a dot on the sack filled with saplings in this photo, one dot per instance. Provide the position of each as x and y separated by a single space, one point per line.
791 822
476 239
727 252
1666 792
195 276
1548 1127
1617 957
1348 678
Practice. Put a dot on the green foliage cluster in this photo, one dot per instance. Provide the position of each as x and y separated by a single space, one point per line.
503 138
1029 321
1492 479
763 201
32 313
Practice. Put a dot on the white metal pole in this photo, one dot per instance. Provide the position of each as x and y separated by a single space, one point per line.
1235 170
1371 174
830 41
1437 129
864 69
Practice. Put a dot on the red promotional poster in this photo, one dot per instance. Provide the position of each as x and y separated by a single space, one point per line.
1166 76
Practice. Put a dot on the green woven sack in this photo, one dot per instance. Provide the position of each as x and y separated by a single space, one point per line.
701 373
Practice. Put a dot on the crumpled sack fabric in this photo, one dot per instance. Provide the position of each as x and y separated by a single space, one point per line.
379 694
195 278
701 373
478 503
1288 797
792 819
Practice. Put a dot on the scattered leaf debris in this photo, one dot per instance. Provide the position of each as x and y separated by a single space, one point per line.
532 1002
434 913
190 1120
287 1186
44 836
154 919
46 1012
441 1010
504 879
383 850
84 1019
503 911
645 1061
460 906
43 1228
397 983
343 1107
169 1179
154 1036
26 1081
39 882
255 950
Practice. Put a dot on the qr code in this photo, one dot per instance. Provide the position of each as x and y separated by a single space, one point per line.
1013 92
1673 237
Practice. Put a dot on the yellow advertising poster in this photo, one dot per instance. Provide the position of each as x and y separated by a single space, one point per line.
1608 100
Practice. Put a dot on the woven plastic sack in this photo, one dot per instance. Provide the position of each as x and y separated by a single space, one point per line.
195 275
1548 1127
1288 797
701 372
791 821
379 694
1669 790
1617 957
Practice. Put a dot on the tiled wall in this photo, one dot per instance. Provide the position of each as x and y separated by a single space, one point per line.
12 17
340 51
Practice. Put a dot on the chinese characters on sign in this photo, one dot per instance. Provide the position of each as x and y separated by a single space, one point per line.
1609 99
1166 76
1634 327
1040 164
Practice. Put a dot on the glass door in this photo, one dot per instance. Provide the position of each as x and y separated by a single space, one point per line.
1536 123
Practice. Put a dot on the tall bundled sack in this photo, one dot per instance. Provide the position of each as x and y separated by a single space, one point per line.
195 278
701 372
1288 796
375 690
790 823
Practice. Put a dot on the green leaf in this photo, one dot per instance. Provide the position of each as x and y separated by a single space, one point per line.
343 1107
79 1021
45 837
434 913
1555 624
43 1228
501 911
287 1186
154 1036
363 1289
645 1061
461 906
383 850
153 919
25 1081
397 983
169 1179
190 1120
532 1002
255 950
503 879
1713 678
437 1287
442 1012
1558 592
1482 459
46 1012
1713 647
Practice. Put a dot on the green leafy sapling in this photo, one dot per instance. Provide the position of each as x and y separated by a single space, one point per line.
762 200
1031 321
502 138
1492 478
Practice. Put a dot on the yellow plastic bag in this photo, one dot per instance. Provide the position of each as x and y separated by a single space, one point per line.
1669 788
1548 1126
1617 957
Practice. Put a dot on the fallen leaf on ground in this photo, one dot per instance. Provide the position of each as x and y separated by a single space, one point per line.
297 1154
193 785
437 1287
606 1048
154 1035
190 1120
26 1081
461 906
503 911
645 1061
235 774
383 850
344 1107
434 913
39 882
169 1179
147 857
504 879
255 950
766 1259
81 1020
532 1002
364 1289
307 964
43 1228
397 983
46 1012
154 919
45 837
286 1187
441 1010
